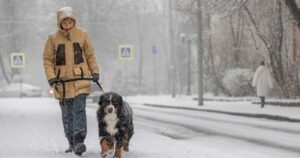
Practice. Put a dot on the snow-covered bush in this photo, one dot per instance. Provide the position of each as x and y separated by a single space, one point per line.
238 81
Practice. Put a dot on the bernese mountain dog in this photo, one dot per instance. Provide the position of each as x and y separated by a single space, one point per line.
115 124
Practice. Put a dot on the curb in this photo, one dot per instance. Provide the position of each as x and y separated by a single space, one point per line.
292 103
263 116
282 104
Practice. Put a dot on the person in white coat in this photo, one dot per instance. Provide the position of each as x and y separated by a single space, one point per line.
263 82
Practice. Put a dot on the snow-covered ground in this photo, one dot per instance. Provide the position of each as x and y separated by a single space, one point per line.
32 127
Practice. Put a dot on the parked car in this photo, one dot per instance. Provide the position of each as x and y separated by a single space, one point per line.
20 90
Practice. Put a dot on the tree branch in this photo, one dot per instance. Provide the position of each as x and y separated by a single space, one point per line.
259 34
294 9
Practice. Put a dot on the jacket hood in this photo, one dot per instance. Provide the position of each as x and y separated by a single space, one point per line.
63 13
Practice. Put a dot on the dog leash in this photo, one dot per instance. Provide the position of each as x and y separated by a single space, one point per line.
100 87
76 79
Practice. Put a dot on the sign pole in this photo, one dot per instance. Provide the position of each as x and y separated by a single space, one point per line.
126 78
17 62
155 76
154 52
21 84
126 53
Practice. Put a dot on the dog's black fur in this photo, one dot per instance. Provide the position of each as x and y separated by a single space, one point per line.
124 115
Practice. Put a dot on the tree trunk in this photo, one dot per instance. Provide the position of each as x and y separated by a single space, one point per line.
294 9
3 70
200 53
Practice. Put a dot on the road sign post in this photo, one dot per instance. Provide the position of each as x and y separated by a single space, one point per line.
17 61
126 52
154 52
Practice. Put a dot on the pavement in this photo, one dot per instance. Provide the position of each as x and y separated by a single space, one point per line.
245 107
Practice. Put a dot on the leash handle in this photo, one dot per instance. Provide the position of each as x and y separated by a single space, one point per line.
100 87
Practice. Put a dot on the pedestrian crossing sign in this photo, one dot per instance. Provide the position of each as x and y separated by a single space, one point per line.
126 52
17 60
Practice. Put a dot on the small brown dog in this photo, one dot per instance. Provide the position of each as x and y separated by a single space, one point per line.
115 124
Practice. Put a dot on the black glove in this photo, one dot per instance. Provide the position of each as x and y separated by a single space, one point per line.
53 81
95 77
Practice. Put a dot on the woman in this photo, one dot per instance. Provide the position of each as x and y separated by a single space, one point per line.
262 80
68 55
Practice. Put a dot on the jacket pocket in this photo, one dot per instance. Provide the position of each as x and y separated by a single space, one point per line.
61 74
60 58
81 72
78 72
77 53
82 84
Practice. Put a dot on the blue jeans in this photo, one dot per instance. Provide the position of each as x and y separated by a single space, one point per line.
74 118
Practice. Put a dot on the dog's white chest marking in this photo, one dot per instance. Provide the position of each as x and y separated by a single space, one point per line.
111 122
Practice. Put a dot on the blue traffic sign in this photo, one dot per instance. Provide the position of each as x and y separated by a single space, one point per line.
154 50
126 52
17 60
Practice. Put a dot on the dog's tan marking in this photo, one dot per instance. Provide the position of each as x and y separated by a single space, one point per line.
118 152
126 143
104 147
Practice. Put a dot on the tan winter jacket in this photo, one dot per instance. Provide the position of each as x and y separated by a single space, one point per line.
69 55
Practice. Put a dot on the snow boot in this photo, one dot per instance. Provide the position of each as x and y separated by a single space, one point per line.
70 149
71 146
79 149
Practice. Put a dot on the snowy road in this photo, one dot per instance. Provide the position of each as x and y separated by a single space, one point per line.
32 128
235 136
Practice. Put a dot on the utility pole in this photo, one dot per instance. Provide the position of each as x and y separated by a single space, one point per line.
140 43
172 54
141 63
200 54
166 47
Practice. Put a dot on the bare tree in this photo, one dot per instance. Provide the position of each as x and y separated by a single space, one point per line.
237 31
269 28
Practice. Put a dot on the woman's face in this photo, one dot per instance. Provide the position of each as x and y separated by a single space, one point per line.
67 24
